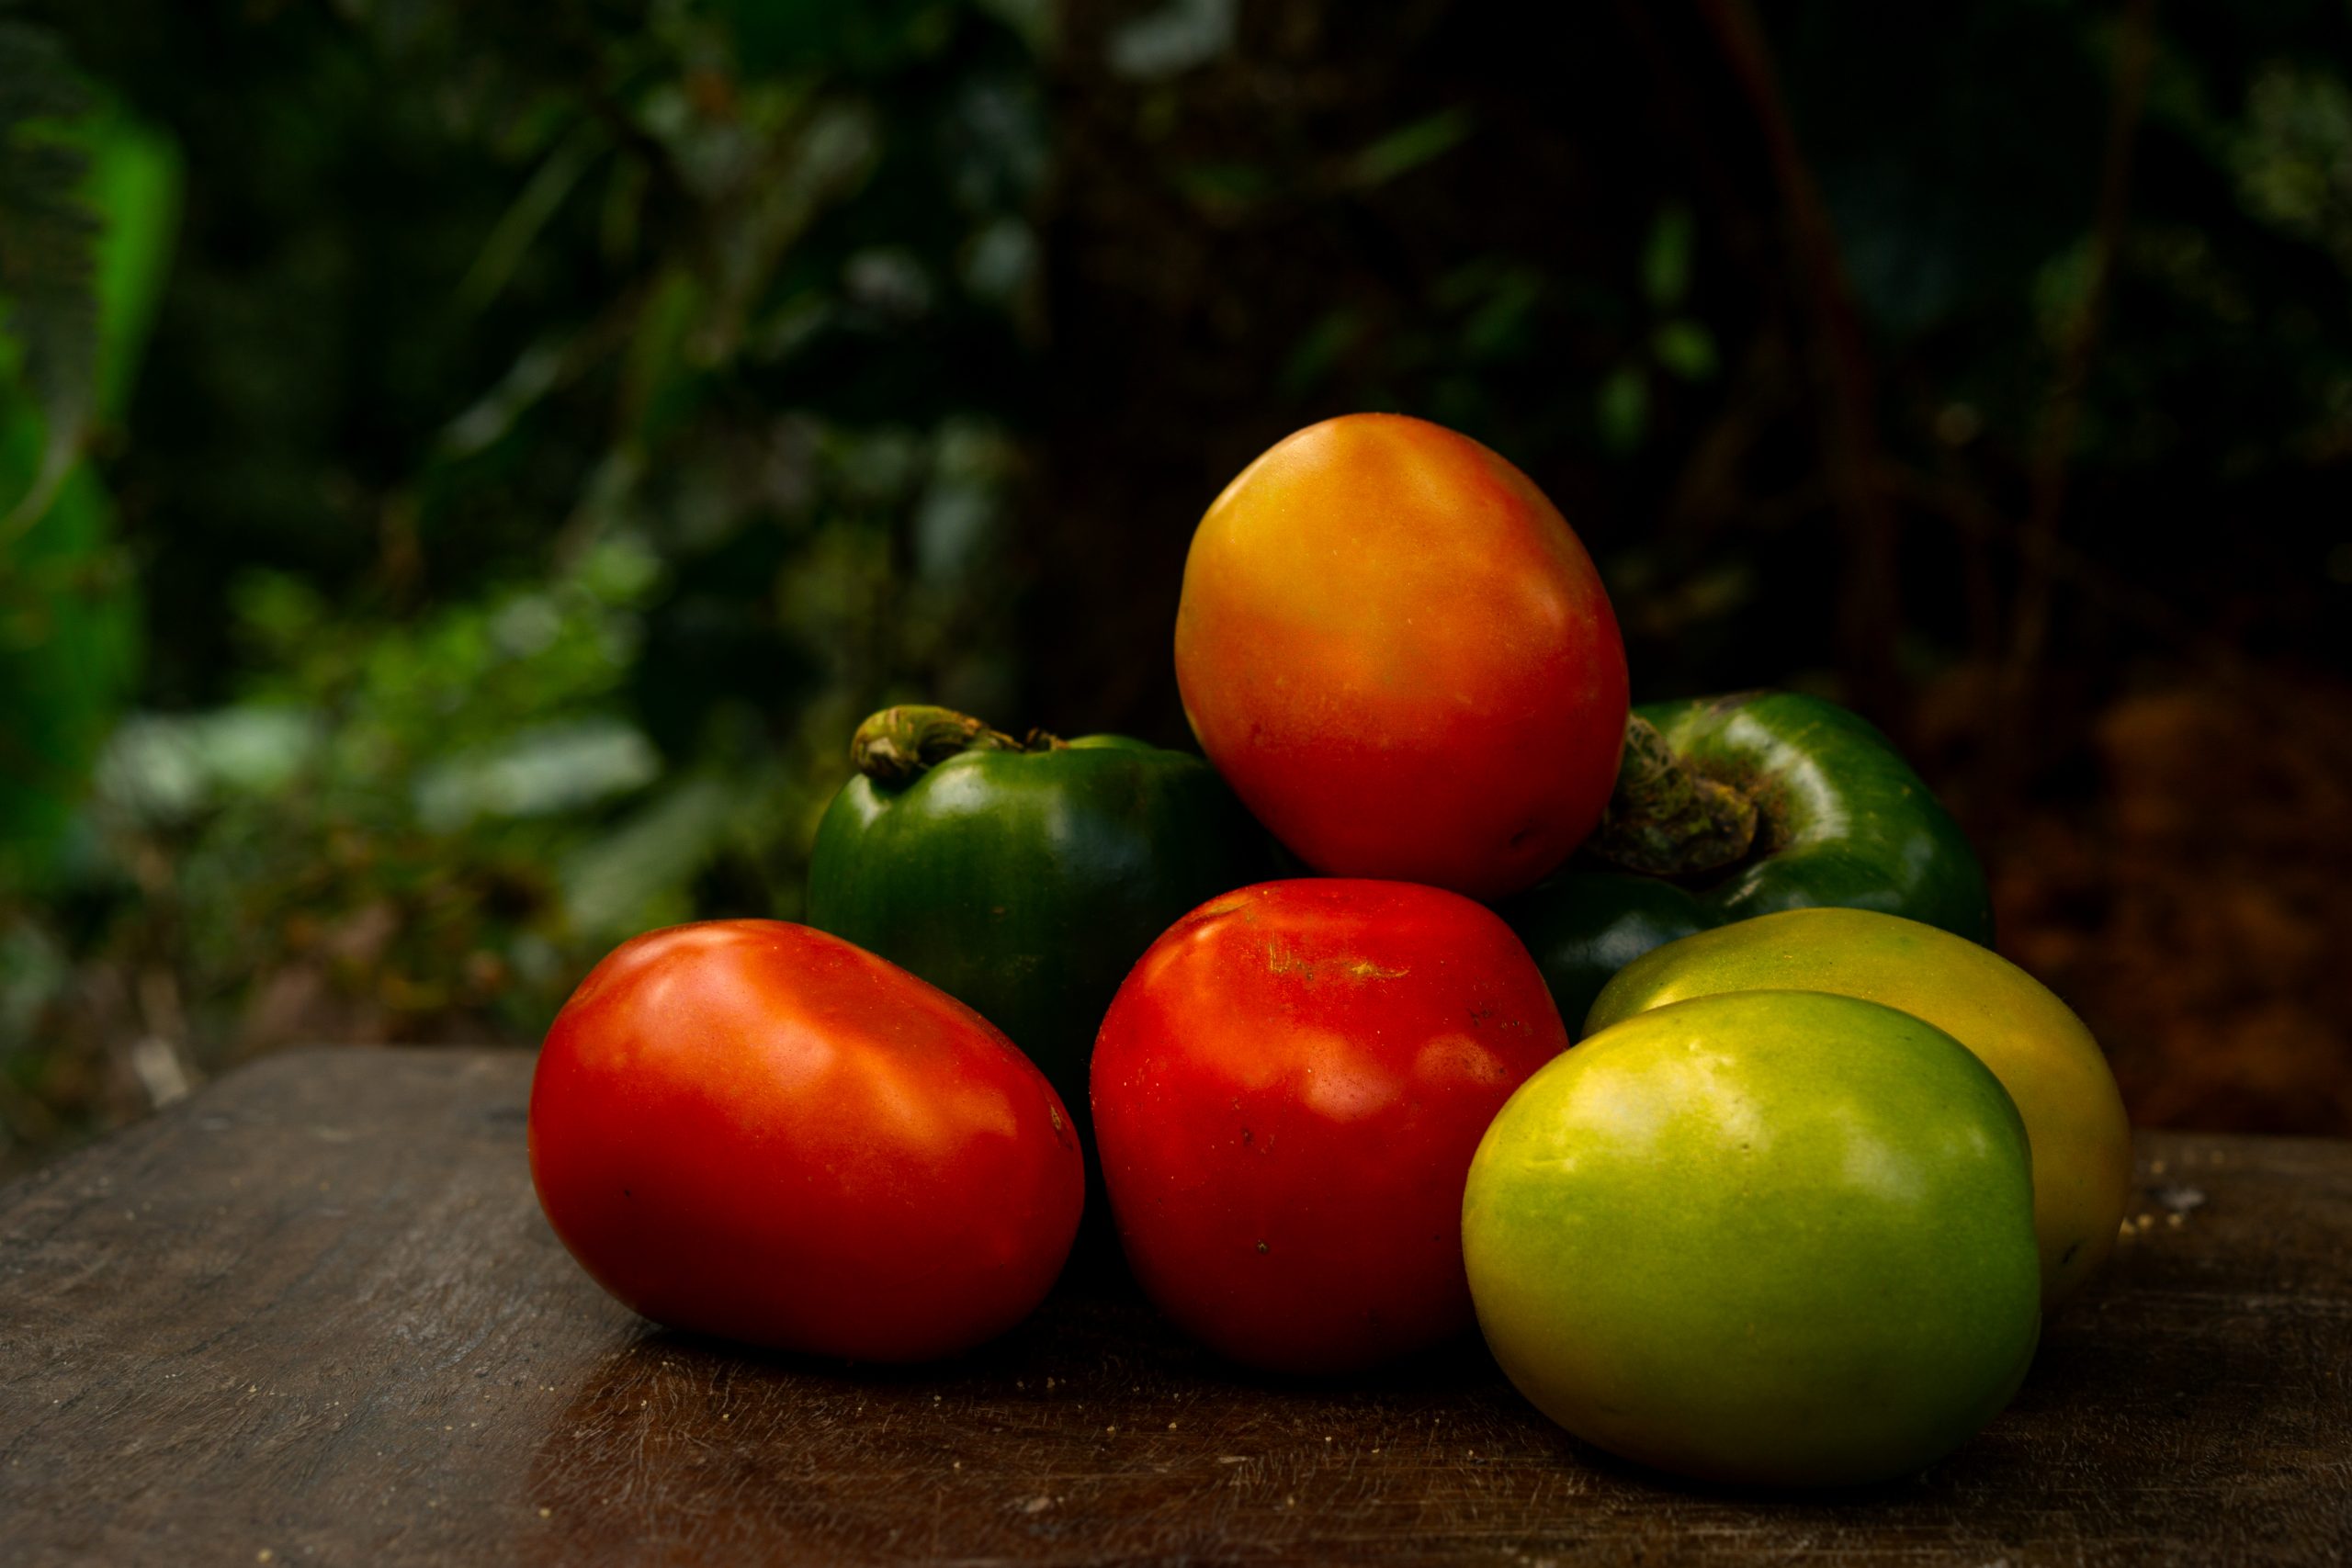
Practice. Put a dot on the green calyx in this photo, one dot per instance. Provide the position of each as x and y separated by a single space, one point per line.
1744 805
901 744
1666 819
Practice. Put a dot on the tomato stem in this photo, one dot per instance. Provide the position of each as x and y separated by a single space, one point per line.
901 744
1665 818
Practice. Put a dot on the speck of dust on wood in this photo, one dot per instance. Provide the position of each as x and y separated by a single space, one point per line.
2212 1350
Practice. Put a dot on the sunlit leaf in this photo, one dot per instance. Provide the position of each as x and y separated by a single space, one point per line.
1177 37
164 767
636 874
541 772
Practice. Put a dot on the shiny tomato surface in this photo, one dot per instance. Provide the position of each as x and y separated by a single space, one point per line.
758 1131
1287 1093
1396 650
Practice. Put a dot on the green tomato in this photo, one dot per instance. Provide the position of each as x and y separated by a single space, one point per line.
1777 1238
2033 1042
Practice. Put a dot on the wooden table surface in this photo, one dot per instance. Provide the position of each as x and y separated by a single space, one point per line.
314 1314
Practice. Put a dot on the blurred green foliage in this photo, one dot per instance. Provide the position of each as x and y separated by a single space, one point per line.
569 420
88 197
555 424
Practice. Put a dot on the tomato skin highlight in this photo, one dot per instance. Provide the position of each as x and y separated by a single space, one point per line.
1399 655
1287 1093
754 1130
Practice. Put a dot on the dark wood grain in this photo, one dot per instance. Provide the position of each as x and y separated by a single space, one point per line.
313 1316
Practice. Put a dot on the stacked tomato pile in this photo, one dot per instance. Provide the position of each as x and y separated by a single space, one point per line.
1791 1212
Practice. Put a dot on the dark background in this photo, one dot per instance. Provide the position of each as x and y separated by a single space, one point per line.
554 425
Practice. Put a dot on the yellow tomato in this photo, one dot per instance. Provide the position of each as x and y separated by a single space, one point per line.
2033 1042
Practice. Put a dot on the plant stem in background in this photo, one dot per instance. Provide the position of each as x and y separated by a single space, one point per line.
2063 411
1869 607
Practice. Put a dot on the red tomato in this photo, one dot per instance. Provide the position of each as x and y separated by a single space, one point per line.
1287 1093
1402 660
755 1130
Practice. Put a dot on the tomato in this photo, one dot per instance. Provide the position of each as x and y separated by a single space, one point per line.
1287 1091
1770 1236
1397 652
754 1130
2017 1026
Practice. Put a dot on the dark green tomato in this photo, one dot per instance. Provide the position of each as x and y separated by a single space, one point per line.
1840 820
1025 884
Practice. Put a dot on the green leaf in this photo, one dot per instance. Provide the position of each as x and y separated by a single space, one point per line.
640 874
1033 21
2294 160
68 648
1622 409
1686 348
540 771
1225 186
135 188
1325 342
1502 324
542 196
1666 259
1409 147
46 238
1172 37
79 294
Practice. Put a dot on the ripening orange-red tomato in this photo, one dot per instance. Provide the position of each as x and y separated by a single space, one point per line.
1399 655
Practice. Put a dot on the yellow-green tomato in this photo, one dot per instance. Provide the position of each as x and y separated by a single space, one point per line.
1776 1237
2035 1046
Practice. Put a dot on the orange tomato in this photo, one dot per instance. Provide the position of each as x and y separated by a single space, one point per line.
1399 654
